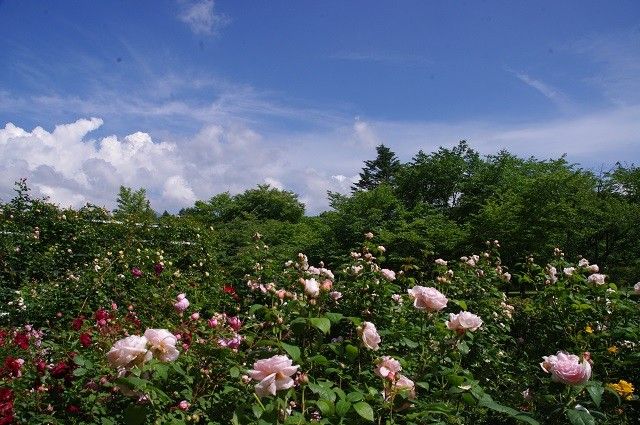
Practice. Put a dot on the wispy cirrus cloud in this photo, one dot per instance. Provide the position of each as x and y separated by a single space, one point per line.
200 16
381 57
556 96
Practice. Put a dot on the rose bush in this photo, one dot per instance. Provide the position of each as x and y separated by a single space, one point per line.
267 341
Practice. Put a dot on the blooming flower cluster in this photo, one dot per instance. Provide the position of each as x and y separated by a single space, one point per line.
135 350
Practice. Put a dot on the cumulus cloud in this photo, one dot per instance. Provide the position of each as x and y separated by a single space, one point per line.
72 169
201 17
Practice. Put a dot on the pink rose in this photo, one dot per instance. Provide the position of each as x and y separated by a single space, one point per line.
335 295
387 368
405 384
596 278
369 335
636 288
593 268
311 288
128 352
567 368
441 262
568 271
184 405
234 322
463 321
390 275
274 374
162 344
182 303
427 299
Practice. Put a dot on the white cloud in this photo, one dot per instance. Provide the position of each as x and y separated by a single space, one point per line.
201 17
71 168
554 95
364 134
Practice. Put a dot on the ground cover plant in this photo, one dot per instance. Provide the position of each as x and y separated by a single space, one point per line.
241 316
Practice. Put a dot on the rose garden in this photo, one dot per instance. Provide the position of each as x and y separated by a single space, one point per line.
120 318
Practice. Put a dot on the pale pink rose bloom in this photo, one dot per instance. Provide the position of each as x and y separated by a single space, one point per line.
636 288
368 235
369 335
593 268
397 298
463 321
184 405
596 278
162 344
583 262
327 273
311 288
195 316
567 368
390 275
356 269
128 352
427 299
568 271
335 295
313 270
387 367
506 276
405 384
274 374
382 248
441 262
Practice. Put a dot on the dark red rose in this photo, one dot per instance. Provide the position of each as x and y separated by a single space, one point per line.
77 323
102 316
41 366
85 339
3 336
60 370
158 268
13 366
22 340
73 409
136 272
6 394
228 289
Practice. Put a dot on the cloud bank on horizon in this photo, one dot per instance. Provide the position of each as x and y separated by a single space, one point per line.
80 122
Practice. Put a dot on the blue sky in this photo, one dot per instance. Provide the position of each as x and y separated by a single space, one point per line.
192 98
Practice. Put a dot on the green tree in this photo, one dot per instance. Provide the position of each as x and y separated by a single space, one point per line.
133 204
437 179
378 171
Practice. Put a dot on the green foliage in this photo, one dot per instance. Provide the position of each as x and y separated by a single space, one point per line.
381 170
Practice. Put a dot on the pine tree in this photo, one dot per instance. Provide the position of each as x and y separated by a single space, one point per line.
378 171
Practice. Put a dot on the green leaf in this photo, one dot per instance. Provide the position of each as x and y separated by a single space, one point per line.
321 323
596 391
488 402
325 406
334 317
234 372
409 343
351 351
580 417
460 303
355 396
79 372
342 407
135 415
364 410
292 350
